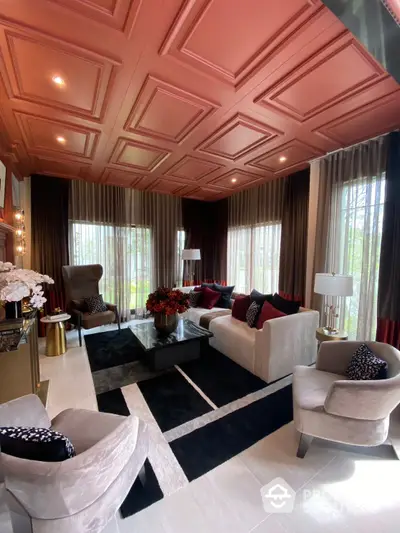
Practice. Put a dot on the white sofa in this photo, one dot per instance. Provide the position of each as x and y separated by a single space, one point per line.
271 352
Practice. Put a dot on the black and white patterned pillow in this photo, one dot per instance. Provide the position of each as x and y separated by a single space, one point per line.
36 444
194 298
366 365
96 304
252 314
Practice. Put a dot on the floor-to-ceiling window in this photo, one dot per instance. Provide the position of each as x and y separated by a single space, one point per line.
359 233
253 257
102 243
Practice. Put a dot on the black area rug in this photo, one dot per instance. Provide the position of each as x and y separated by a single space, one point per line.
172 400
111 348
141 496
220 378
209 446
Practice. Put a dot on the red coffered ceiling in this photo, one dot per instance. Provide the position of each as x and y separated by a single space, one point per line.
198 98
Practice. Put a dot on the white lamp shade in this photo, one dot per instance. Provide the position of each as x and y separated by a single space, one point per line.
333 285
191 254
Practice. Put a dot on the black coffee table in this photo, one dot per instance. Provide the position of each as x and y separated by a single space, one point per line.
161 352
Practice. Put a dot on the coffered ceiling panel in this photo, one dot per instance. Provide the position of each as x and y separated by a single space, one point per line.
285 157
165 111
64 139
238 137
37 68
198 98
192 168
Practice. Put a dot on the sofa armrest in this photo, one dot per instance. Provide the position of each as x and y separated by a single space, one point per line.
185 289
284 343
364 400
26 411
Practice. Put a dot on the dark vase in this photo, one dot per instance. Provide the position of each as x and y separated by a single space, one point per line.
13 309
165 324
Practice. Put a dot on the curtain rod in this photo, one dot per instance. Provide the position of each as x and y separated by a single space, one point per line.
351 146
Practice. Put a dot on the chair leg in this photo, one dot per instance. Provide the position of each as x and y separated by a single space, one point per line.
80 334
118 319
304 444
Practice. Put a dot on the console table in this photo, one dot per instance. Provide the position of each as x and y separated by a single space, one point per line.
19 366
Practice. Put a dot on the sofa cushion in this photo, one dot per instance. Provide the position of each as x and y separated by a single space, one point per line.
209 298
195 313
226 294
194 298
288 307
252 314
240 307
35 444
366 365
268 312
260 298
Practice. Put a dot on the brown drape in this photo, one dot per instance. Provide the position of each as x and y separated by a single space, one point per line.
389 269
292 266
206 228
49 211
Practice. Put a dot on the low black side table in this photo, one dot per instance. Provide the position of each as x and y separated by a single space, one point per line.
161 352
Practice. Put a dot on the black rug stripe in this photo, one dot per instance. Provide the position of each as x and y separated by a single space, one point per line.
141 496
112 348
172 400
205 448
220 378
113 402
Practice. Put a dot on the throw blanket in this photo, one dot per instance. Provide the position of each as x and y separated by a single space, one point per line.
206 319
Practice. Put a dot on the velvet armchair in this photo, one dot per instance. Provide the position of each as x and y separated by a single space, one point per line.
82 282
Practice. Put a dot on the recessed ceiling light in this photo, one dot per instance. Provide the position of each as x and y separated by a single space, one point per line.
61 140
233 180
58 80
282 159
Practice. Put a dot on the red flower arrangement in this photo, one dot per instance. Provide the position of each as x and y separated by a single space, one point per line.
167 301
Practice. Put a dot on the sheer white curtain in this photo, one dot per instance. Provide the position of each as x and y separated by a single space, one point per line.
132 234
254 238
253 258
353 189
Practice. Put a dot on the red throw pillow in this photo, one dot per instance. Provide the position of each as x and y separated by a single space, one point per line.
240 306
268 311
209 298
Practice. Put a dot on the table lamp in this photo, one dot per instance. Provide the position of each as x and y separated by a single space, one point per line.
191 254
332 286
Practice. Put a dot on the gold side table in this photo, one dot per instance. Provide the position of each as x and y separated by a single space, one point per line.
322 336
56 342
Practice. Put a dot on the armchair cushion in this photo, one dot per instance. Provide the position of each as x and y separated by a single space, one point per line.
366 365
90 320
95 304
36 444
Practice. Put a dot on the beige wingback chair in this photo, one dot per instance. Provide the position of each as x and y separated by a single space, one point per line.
81 494
80 282
329 406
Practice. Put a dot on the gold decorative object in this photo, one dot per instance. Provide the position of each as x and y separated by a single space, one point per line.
56 343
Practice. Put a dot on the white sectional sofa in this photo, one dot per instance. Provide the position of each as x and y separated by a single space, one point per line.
271 352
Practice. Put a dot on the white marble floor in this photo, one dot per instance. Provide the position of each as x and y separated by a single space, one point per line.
337 488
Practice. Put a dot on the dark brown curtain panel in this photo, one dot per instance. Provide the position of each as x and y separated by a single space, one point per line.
49 211
206 228
389 270
292 266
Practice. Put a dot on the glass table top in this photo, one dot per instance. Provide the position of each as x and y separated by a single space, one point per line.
186 331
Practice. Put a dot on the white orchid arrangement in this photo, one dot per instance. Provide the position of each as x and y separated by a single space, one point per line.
18 283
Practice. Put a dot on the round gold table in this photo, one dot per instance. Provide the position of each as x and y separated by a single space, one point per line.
323 336
56 342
